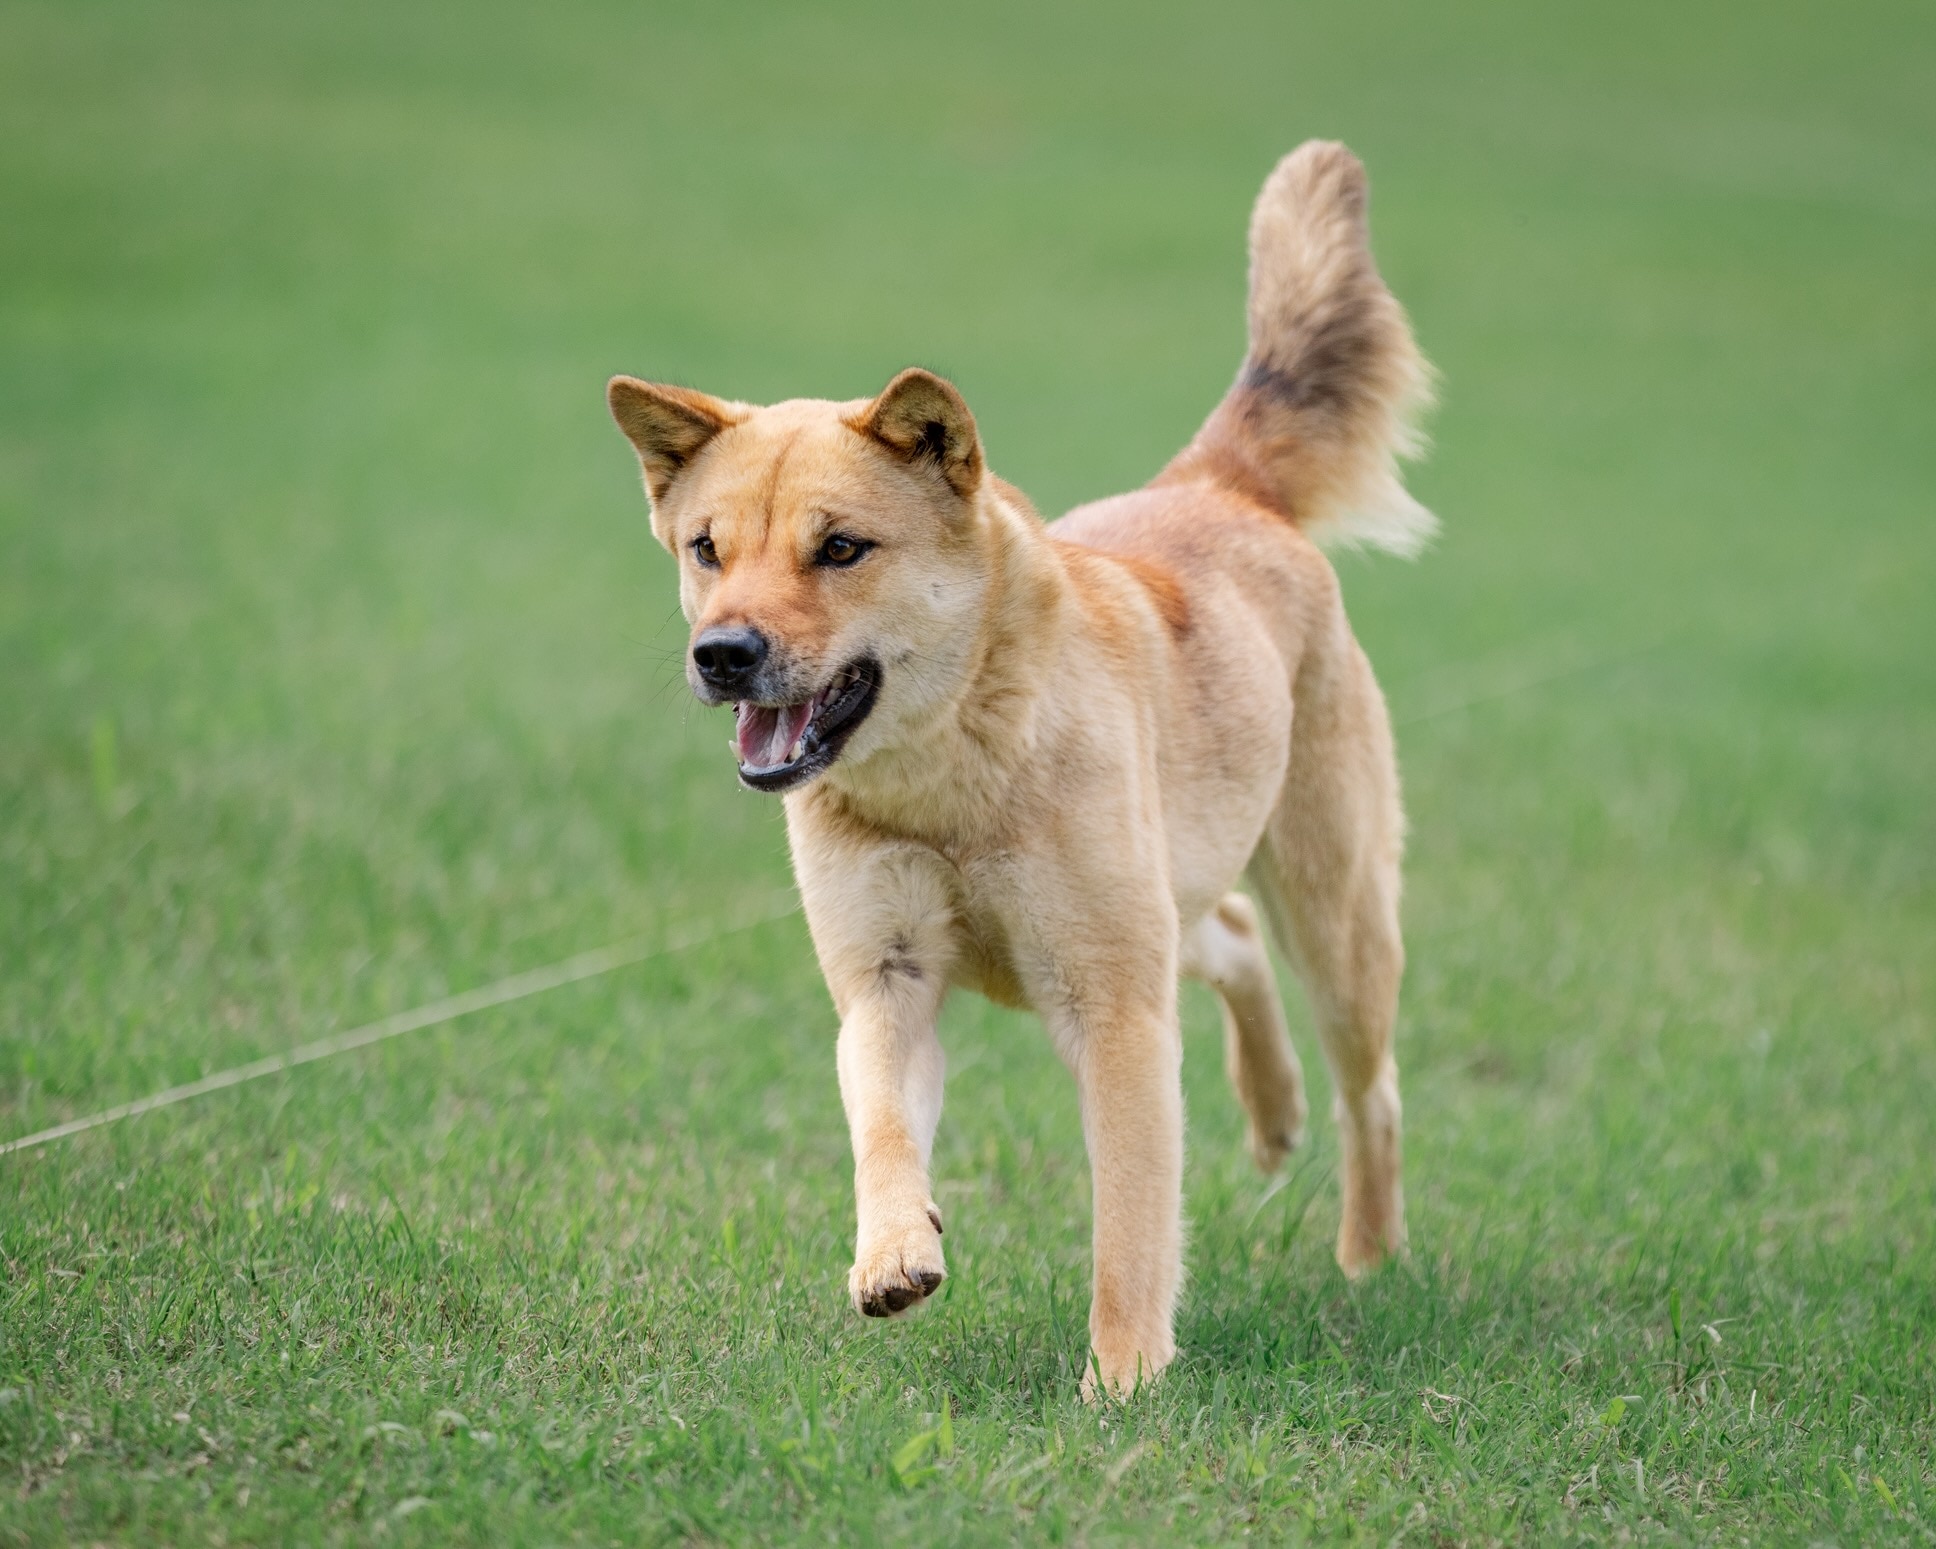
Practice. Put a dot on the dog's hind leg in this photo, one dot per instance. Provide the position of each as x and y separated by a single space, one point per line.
1328 871
1225 949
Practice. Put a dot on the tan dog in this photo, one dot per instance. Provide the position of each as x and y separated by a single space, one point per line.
1035 761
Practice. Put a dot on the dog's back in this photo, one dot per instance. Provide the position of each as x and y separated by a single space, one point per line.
1302 450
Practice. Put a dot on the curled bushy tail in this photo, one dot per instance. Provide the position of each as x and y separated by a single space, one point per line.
1324 405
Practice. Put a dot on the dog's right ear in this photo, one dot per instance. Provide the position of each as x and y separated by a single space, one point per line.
667 426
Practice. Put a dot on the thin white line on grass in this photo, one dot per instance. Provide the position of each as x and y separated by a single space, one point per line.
1536 678
534 981
602 960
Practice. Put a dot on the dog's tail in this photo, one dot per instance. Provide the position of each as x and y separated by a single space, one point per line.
1325 403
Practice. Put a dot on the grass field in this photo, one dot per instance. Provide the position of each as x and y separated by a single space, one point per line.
338 671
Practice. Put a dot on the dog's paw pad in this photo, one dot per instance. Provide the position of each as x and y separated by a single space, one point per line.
885 1301
889 1300
899 1271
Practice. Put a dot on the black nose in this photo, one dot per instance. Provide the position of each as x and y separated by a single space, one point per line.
726 658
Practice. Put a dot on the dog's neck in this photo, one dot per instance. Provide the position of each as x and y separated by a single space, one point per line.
947 778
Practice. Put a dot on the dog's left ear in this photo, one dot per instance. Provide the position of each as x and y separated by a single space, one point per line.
922 419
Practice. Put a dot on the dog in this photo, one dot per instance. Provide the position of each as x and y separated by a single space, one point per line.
1034 761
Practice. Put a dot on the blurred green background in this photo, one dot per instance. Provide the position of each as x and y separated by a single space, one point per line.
338 670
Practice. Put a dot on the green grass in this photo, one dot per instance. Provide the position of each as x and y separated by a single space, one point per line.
338 670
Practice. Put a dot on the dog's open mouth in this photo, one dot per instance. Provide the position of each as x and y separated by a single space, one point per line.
781 746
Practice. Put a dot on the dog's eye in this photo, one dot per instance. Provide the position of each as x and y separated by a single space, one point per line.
841 551
704 552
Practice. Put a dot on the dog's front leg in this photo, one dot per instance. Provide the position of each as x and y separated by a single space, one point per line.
891 1069
1128 1063
883 926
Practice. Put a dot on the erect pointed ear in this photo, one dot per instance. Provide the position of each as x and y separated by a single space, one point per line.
668 426
921 418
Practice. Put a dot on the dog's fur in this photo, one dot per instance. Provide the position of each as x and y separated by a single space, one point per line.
1078 739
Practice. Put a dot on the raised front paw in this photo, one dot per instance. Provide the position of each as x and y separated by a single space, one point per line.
898 1267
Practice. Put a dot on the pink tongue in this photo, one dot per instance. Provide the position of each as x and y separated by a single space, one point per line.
767 735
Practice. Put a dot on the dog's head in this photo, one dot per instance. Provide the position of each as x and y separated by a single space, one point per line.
832 562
